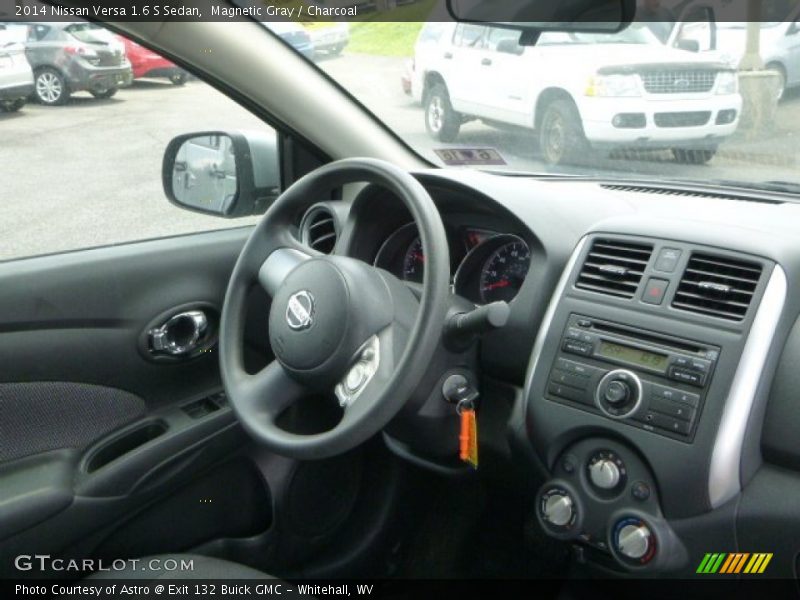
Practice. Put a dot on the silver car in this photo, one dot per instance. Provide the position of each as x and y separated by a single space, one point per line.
16 76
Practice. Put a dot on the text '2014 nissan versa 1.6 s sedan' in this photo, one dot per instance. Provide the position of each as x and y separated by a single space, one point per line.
282 320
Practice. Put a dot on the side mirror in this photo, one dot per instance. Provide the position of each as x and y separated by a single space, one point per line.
224 173
510 46
690 45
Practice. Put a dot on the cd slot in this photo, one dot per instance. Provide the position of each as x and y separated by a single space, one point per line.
643 336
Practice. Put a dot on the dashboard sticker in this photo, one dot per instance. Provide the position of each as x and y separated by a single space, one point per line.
459 157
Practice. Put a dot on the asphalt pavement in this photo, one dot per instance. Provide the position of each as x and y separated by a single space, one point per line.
89 173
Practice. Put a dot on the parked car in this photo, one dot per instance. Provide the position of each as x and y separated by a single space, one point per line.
16 75
329 38
407 76
293 34
73 57
146 63
779 47
637 93
710 28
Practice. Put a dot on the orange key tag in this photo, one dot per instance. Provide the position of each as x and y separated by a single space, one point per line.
468 438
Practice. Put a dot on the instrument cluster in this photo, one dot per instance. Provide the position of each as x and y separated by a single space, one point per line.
487 265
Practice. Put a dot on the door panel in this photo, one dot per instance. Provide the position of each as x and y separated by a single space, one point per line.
93 430
78 316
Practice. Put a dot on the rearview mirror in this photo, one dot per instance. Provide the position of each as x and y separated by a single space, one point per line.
225 173
603 16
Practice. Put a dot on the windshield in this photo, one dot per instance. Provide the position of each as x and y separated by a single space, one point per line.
658 101
91 34
635 34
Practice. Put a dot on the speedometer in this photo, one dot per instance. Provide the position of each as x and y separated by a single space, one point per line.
414 262
504 272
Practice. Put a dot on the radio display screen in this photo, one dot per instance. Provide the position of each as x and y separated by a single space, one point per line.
634 356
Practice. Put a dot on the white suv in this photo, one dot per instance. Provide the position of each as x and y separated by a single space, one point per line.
575 90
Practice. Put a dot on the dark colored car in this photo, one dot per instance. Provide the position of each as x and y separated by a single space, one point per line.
74 57
146 63
294 35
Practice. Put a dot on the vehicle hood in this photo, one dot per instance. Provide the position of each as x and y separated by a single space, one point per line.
598 56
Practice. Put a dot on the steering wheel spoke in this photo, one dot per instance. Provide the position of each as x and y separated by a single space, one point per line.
270 391
278 265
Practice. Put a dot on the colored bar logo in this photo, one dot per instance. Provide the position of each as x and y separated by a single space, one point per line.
734 563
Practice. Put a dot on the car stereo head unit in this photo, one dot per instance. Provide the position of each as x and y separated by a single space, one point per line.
650 380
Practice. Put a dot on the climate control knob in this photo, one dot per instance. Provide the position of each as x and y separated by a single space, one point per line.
604 474
634 540
558 510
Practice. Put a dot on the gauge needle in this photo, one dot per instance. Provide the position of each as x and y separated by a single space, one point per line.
497 284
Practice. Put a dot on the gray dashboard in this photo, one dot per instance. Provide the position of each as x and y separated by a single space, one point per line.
712 489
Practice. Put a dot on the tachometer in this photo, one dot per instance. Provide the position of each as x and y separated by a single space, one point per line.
504 272
414 262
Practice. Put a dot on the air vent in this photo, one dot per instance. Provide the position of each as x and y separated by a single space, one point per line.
640 189
677 191
717 286
319 229
614 267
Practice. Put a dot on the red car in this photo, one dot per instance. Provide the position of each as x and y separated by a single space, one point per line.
146 63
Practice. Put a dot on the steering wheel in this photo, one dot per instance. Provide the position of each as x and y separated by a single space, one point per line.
336 324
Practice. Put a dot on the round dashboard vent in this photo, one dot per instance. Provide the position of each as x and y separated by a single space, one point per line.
319 229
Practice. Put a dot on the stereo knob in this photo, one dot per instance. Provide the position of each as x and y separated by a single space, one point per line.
634 541
604 474
617 392
558 509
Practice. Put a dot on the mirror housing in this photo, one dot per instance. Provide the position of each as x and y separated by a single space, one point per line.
224 173
598 16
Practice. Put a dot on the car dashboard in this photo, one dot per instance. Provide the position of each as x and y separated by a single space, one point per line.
635 381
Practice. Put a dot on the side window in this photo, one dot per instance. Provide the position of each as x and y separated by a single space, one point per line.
431 32
469 36
36 33
508 37
81 160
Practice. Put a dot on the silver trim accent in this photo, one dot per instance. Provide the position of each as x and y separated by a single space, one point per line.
638 395
305 226
547 319
503 239
300 310
558 510
369 358
604 474
162 342
724 482
633 541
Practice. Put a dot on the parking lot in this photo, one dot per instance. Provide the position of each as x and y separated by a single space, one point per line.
88 173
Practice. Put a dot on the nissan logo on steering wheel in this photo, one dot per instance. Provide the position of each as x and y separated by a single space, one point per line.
300 310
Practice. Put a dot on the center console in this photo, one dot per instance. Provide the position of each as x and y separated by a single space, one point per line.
639 390
642 378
